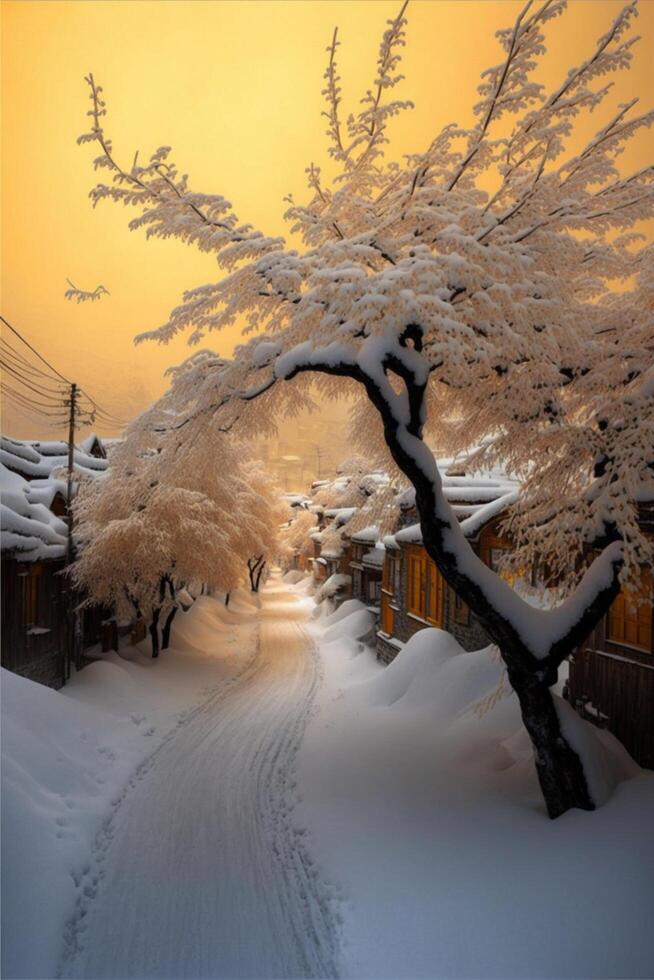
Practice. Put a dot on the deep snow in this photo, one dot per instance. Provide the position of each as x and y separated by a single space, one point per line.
152 825
419 788
203 871
68 756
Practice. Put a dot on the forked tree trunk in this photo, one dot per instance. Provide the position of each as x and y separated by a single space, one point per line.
165 633
255 567
257 577
560 770
154 632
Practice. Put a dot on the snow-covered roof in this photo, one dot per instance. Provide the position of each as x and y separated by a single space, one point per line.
34 459
375 557
332 552
93 446
367 535
341 515
475 498
28 488
296 500
28 527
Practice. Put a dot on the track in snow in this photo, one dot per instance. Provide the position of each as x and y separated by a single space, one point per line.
201 872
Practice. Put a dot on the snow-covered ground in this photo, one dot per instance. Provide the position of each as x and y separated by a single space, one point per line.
419 789
195 817
68 758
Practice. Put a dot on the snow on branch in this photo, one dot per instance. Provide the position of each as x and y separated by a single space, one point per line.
83 295
475 317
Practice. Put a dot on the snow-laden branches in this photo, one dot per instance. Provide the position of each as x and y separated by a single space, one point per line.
508 295
492 291
159 523
84 295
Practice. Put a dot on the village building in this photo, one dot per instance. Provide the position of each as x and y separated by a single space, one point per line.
414 594
611 675
366 564
40 632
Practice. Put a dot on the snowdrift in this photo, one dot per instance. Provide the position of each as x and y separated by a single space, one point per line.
67 756
356 625
421 797
466 698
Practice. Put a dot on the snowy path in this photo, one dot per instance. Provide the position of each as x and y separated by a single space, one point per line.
201 871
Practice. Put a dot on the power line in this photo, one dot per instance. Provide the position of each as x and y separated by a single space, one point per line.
22 364
16 362
102 411
39 407
29 415
34 350
51 393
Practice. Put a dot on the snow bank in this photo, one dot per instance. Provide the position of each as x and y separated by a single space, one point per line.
67 756
355 626
422 801
335 583
344 610
293 576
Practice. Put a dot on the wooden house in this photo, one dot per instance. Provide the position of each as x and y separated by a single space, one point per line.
611 676
35 636
366 566
414 594
40 633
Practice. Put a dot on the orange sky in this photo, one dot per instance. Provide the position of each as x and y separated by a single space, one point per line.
234 86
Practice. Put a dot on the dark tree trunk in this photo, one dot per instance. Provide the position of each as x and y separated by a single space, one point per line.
227 595
254 566
257 576
154 632
559 768
165 633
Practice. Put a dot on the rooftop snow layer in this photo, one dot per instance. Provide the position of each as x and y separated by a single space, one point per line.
29 529
28 485
34 459
366 535
375 557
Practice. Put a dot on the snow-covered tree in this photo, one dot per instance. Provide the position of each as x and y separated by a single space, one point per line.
158 524
490 288
296 539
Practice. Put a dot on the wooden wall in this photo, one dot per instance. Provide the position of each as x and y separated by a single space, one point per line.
34 634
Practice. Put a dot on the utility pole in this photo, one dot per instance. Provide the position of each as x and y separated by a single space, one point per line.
72 405
74 624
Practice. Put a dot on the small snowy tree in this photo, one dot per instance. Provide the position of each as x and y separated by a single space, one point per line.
159 522
140 551
469 292
296 534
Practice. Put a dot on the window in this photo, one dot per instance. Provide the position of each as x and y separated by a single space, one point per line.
630 616
425 589
492 550
392 574
387 616
374 591
397 576
416 588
